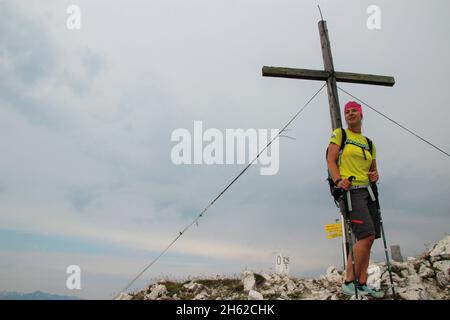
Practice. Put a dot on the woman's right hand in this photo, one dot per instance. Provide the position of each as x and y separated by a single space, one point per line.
344 184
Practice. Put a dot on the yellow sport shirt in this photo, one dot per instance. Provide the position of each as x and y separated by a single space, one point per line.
352 162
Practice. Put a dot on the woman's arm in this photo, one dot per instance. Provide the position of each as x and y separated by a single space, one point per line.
373 172
332 157
333 154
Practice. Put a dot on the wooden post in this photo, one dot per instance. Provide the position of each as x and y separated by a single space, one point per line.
333 98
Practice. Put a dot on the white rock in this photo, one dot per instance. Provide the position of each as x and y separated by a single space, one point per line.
285 278
443 266
284 296
374 278
385 279
158 291
399 265
443 280
268 292
441 250
425 272
193 286
300 287
249 281
275 278
201 296
443 273
403 266
290 286
404 273
266 277
360 297
333 276
124 296
414 292
255 295
324 295
413 281
279 289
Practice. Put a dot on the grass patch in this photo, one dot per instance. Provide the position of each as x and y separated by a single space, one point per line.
172 287
296 295
273 296
138 296
186 296
233 284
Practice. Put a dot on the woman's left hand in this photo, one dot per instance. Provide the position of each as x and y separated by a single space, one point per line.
373 176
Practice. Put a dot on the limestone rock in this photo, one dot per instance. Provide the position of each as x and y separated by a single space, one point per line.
374 279
249 281
441 250
266 277
332 275
418 278
124 296
443 266
425 271
268 292
404 273
290 287
334 297
443 280
443 273
414 292
255 295
275 278
201 296
157 291
193 286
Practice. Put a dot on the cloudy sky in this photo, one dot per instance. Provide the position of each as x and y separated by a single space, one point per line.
86 117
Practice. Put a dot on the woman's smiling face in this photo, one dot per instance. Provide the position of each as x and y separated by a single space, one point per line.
352 116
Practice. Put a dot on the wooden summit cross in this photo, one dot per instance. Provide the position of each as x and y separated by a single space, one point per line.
328 75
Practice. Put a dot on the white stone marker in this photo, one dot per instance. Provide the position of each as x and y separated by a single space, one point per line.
282 265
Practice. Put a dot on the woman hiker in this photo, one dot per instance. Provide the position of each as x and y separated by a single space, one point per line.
356 160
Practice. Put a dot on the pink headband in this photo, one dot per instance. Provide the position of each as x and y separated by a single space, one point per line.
353 104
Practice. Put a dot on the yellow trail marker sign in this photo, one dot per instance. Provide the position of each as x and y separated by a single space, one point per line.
333 230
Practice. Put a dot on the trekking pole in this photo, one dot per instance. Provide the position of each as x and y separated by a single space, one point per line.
344 241
347 207
375 191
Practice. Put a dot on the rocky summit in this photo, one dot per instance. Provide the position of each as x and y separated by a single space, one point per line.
419 278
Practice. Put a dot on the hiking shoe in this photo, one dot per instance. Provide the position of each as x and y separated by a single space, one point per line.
373 293
349 290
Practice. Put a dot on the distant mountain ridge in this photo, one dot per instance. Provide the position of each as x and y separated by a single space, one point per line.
37 295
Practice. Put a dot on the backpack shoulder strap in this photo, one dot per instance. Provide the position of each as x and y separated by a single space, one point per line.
370 143
344 138
343 141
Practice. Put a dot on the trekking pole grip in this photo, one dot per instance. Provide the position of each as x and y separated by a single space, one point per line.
345 195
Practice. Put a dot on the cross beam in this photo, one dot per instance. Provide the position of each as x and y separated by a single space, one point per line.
309 74
329 75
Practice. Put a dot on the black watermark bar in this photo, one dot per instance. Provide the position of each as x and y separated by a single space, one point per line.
211 309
